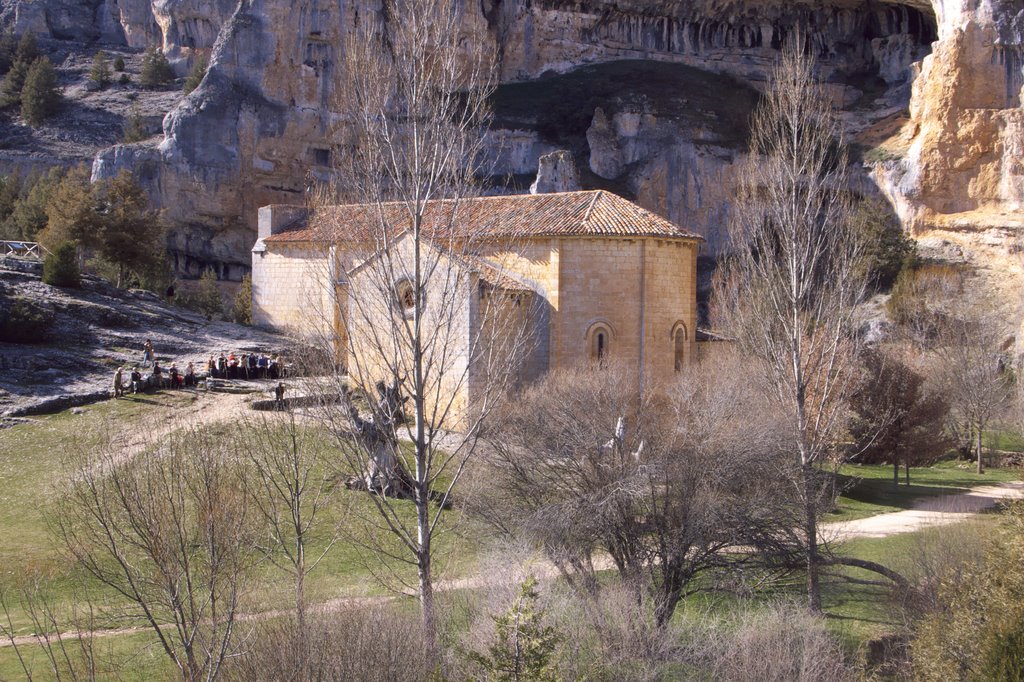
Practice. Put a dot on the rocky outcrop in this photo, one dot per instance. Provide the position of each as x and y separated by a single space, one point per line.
963 164
261 120
556 172
258 130
179 27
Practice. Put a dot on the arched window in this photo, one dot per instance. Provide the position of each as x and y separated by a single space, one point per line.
404 298
599 340
679 339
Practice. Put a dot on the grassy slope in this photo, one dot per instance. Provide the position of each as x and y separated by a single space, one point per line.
32 459
30 463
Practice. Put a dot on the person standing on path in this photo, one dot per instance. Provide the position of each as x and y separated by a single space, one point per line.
118 386
147 353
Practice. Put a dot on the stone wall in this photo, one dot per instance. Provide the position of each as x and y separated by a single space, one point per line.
637 288
292 288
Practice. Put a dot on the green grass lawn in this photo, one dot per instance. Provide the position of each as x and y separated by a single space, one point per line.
869 489
33 458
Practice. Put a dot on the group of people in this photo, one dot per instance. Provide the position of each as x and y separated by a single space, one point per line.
156 378
245 366
230 366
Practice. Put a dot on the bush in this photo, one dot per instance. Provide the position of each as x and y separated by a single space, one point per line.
889 250
241 311
206 297
775 643
100 74
60 269
976 632
195 76
524 647
24 321
28 49
40 97
125 79
156 70
358 644
134 129
119 63
8 45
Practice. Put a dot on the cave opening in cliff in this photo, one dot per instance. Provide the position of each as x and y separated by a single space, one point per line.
919 24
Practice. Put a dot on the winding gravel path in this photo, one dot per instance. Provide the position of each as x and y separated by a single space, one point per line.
927 513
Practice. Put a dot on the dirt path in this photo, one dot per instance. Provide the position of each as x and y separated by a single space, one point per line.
927 513
206 408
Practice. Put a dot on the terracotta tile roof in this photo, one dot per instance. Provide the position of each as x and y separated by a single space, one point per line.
593 213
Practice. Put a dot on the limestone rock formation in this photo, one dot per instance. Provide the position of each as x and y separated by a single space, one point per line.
964 163
258 130
556 172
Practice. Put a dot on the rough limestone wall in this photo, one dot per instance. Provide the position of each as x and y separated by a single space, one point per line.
964 165
250 134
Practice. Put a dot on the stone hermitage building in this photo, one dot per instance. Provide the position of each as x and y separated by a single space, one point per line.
604 278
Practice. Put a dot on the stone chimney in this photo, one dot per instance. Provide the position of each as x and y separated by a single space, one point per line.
274 218
556 172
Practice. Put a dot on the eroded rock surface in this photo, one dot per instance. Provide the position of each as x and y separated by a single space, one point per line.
931 89
96 329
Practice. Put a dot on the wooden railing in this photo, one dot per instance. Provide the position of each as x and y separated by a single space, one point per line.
29 250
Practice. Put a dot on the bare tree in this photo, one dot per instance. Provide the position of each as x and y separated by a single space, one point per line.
290 483
962 331
788 290
425 311
665 499
169 530
972 368
67 640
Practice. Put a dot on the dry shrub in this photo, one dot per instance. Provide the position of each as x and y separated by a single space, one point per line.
359 643
946 553
612 637
778 642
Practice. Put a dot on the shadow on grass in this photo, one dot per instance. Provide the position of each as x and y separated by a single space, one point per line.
884 493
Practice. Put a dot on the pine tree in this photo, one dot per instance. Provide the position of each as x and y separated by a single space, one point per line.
134 130
29 216
100 74
119 63
195 76
131 235
27 50
207 298
525 648
71 211
241 311
12 85
8 46
156 70
40 97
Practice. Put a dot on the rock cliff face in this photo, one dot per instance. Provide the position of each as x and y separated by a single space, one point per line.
962 162
255 131
940 78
